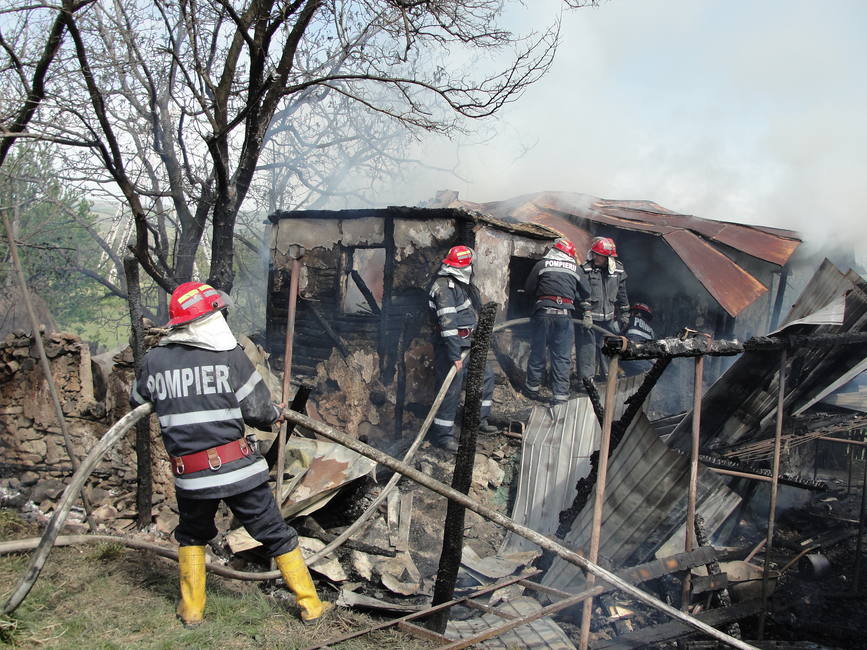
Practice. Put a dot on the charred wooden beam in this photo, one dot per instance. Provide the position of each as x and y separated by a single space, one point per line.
595 400
713 569
453 529
365 291
334 336
785 479
700 346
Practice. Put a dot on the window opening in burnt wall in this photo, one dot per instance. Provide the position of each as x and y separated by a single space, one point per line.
363 281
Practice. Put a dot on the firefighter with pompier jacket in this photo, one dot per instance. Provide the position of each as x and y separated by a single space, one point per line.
640 330
607 307
204 389
454 304
554 284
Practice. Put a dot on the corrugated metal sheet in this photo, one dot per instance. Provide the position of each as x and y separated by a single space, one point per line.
554 455
538 634
645 505
741 405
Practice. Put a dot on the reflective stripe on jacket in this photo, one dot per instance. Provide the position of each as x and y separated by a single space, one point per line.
639 329
202 399
607 291
452 310
554 276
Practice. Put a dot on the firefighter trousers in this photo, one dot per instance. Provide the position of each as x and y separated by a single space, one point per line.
552 335
255 509
444 421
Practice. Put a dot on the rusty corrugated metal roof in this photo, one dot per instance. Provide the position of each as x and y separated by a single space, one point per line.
700 243
645 505
731 286
741 405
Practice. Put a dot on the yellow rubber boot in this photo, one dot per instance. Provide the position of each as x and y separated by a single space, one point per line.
191 566
297 578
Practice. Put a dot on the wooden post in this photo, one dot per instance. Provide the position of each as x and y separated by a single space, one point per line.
778 433
287 373
596 530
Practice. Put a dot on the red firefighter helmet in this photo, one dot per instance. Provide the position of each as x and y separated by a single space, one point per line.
604 246
563 244
459 257
194 300
640 306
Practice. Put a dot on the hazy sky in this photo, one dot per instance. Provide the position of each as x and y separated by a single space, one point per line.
736 110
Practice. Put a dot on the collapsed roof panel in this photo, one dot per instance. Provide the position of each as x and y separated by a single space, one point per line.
740 406
645 505
699 242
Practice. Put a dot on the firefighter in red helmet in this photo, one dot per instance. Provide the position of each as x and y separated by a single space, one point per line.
607 306
554 286
204 389
454 304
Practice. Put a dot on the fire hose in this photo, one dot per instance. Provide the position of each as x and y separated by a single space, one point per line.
116 432
125 423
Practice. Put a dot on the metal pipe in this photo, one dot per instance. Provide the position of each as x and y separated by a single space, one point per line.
692 494
287 375
730 472
492 515
596 530
778 433
849 472
858 559
843 441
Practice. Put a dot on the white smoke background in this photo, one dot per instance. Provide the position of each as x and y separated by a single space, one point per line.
746 112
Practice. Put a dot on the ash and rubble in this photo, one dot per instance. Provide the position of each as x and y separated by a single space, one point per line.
371 376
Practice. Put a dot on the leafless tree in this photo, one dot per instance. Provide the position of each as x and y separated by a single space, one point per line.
197 112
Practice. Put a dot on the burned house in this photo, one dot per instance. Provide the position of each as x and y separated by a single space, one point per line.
364 275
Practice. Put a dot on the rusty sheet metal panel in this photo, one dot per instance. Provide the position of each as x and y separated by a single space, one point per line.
645 504
741 405
730 285
539 634
755 242
554 455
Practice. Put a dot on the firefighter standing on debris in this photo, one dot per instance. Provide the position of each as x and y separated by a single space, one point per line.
554 285
607 306
454 304
639 329
204 389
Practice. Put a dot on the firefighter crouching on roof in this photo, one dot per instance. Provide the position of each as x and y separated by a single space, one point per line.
454 304
604 278
204 388
553 283
639 329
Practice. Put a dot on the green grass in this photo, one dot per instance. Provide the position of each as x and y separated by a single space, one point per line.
110 597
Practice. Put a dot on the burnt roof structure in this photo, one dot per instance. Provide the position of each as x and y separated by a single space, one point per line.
705 246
